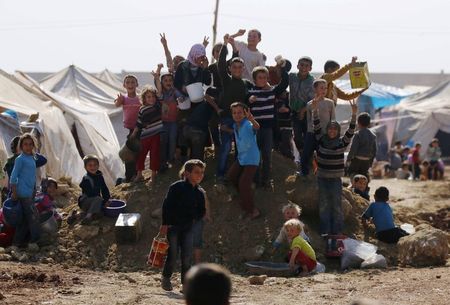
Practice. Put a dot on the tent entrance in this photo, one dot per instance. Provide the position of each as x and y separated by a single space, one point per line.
444 143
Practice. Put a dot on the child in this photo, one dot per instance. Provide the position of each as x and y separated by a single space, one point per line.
424 170
91 186
326 113
183 206
333 71
404 172
290 211
248 51
284 126
243 170
148 128
208 284
45 201
380 213
169 98
359 186
23 188
172 63
433 155
130 104
301 252
262 105
330 159
301 91
416 160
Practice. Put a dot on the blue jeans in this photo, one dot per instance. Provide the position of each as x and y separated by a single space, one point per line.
330 205
308 151
180 240
226 139
168 142
29 226
264 138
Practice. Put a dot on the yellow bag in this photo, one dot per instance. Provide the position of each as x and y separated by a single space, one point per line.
359 75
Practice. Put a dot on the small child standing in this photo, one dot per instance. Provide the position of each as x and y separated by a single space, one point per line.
148 128
130 104
91 186
243 170
302 254
380 213
433 155
416 161
363 148
23 187
290 211
359 186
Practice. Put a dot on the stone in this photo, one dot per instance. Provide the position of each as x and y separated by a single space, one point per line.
157 213
427 247
257 279
254 253
5 257
85 232
2 250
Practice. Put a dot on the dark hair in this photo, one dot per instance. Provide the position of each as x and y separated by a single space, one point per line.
239 104
398 143
189 166
130 76
330 65
382 194
319 81
27 136
364 119
13 144
257 31
259 69
305 58
89 158
207 284
216 46
425 163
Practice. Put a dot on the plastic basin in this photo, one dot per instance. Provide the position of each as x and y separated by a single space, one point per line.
12 212
195 92
115 208
270 269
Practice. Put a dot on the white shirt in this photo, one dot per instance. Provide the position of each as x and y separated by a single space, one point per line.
251 59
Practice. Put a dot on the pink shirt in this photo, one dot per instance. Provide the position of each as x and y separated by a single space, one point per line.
130 107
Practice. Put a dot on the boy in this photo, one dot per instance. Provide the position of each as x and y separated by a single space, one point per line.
301 252
359 186
207 284
184 204
363 148
333 71
243 170
381 215
416 161
91 186
248 51
234 89
327 113
284 126
290 211
330 160
262 105
130 104
301 91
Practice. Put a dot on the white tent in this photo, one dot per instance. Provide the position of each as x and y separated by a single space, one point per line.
88 92
420 118
111 78
58 145
91 126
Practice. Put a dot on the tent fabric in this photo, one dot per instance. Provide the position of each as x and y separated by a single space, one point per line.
111 78
57 141
419 118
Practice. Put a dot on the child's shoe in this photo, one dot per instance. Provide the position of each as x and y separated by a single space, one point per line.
166 284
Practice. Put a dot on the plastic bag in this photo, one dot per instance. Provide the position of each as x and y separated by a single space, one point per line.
350 260
409 228
320 268
361 249
375 261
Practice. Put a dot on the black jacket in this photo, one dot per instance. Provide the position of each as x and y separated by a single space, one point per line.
93 184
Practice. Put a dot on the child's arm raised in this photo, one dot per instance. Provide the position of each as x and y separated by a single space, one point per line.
157 78
352 126
284 83
315 116
119 100
238 33
329 77
169 59
222 65
349 96
252 120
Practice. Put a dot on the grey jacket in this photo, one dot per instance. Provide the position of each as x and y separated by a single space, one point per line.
364 145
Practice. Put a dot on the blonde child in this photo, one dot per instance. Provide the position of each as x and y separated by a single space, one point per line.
290 211
148 129
301 254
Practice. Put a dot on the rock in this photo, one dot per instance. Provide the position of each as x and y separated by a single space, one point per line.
47 260
2 250
426 247
157 213
253 254
85 232
257 279
33 248
346 207
5 257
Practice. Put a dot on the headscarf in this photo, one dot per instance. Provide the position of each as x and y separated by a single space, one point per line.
197 50
332 143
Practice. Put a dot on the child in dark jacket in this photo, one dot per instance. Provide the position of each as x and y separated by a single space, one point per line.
284 126
91 186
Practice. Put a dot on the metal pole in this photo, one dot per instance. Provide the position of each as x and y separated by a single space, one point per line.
216 11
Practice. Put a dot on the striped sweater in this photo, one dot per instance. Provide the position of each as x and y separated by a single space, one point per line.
149 120
330 160
263 109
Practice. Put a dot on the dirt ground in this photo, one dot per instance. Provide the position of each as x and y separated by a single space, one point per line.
99 271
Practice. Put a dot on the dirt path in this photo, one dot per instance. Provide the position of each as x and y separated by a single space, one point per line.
45 284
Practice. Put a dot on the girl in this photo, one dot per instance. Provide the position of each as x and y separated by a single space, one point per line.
433 155
148 128
23 187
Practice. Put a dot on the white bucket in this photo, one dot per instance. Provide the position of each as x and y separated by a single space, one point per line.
195 91
185 104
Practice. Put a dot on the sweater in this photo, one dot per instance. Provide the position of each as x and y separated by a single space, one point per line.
149 120
24 175
364 145
300 91
93 184
185 76
327 113
334 92
330 160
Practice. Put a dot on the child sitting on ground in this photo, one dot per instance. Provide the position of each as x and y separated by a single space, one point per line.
91 186
381 215
403 173
301 254
290 211
359 186
45 201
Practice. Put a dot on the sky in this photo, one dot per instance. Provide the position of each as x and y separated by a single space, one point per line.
391 35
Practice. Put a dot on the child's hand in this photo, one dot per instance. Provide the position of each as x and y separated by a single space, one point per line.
205 41
241 32
120 98
249 115
252 99
163 39
354 106
160 66
155 74
180 99
354 59
292 265
283 109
